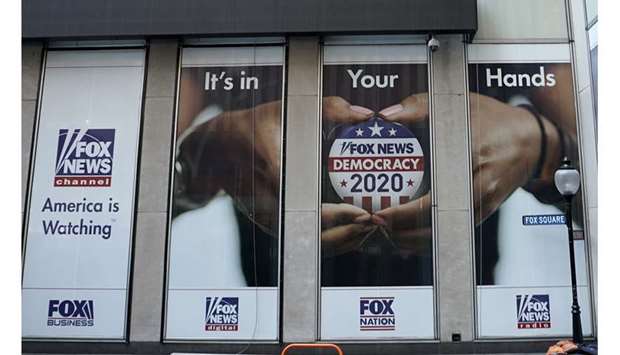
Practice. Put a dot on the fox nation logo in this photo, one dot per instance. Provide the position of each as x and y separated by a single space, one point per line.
222 314
376 313
71 313
533 312
84 157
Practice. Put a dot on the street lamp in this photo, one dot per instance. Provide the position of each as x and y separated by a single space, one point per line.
567 182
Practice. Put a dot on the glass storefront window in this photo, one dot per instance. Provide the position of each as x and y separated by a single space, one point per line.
81 205
223 267
522 122
591 10
376 224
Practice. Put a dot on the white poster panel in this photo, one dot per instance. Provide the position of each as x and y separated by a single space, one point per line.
504 312
350 313
81 207
241 313
223 266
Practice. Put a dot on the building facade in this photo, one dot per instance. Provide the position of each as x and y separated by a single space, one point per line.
202 177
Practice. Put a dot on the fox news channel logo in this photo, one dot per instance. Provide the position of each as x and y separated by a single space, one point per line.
84 157
71 313
376 313
222 314
533 311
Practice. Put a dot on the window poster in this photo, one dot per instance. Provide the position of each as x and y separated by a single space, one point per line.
522 123
223 267
376 225
81 203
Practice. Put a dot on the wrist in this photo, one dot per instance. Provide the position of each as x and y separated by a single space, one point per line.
554 154
543 187
535 141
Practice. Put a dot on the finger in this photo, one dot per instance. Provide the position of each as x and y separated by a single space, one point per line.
554 350
341 239
413 214
568 347
339 110
413 109
342 213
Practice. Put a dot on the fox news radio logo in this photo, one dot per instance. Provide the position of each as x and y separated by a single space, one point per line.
222 314
84 157
376 313
533 311
71 313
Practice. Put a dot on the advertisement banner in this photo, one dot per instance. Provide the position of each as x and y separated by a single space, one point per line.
376 225
523 123
223 268
80 215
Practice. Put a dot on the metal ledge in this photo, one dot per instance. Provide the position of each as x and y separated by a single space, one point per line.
78 19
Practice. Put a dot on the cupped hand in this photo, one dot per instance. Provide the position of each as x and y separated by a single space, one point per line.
409 224
239 152
505 145
344 228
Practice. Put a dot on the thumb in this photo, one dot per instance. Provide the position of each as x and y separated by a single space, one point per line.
412 214
411 110
339 110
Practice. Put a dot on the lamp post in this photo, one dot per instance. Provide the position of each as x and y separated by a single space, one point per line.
567 182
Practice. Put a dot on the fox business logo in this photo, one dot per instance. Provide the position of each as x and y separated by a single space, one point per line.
376 313
533 312
222 314
84 157
71 313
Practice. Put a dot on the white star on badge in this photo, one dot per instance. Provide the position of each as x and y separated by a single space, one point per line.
359 132
375 130
392 132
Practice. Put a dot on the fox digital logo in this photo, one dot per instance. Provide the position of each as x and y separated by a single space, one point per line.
376 313
222 314
84 157
71 313
533 311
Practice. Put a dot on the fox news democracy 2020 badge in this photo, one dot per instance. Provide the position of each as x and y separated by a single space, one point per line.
376 164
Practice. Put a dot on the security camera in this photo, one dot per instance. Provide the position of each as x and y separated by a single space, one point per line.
433 43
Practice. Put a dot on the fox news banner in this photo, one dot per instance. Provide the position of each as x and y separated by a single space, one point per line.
375 290
81 202
522 266
223 254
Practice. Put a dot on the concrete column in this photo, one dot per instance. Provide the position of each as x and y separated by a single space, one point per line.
31 73
452 174
300 304
586 120
152 204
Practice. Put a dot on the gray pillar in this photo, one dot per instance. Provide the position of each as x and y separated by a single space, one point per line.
587 130
31 72
453 212
300 304
152 204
